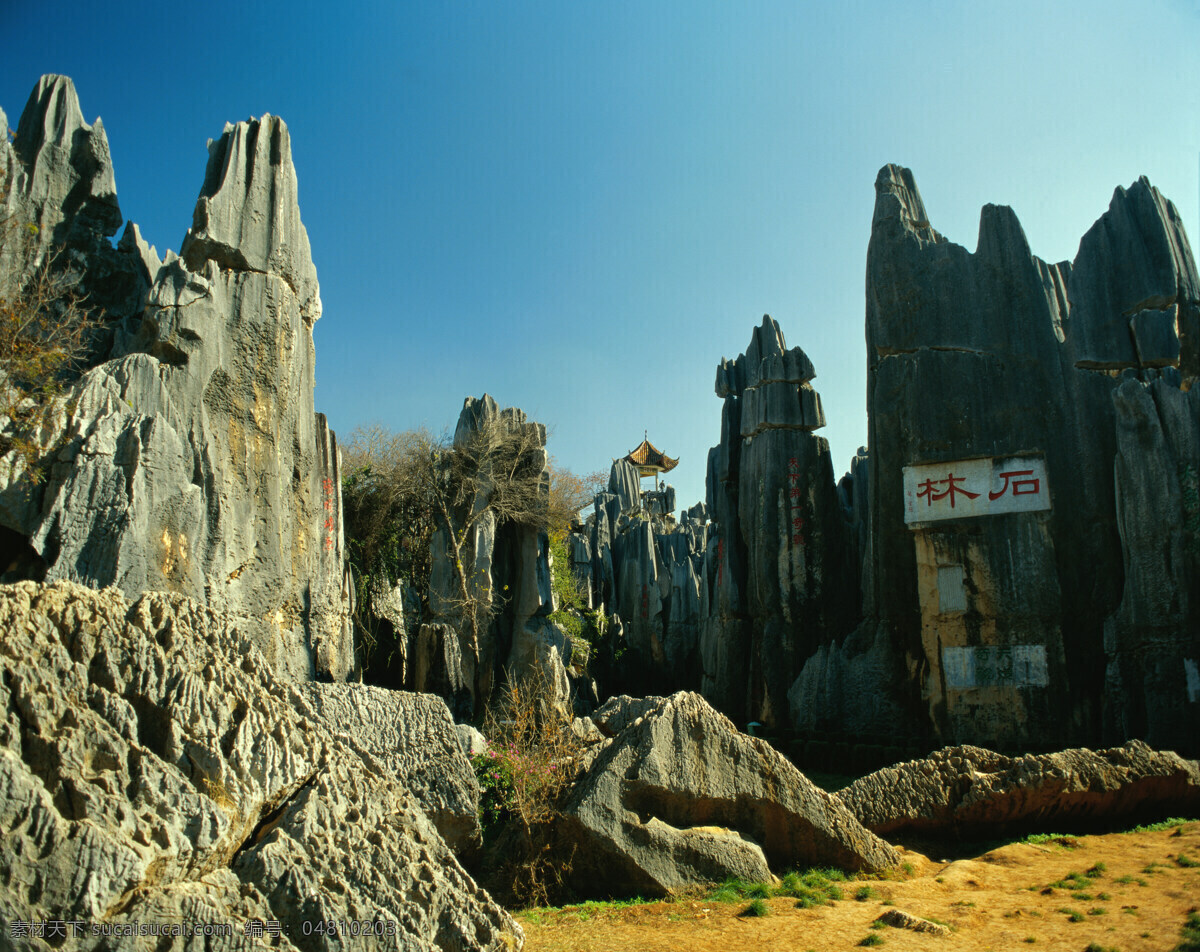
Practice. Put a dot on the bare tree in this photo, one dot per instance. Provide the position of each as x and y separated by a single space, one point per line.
44 335
403 491
491 472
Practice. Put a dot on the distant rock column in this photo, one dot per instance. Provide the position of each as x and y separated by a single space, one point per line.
799 585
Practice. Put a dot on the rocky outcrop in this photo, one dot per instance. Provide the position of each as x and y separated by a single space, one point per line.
413 737
969 791
781 580
154 768
646 568
617 713
192 461
1029 577
58 199
680 798
506 560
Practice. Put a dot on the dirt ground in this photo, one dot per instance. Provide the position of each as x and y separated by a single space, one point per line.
1000 900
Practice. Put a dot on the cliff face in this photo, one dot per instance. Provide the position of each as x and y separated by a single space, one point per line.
191 459
1031 517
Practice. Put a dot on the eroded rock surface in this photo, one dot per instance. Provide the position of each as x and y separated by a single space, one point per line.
680 798
972 791
154 768
413 736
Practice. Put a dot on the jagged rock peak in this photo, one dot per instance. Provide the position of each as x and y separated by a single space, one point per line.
247 217
68 171
897 198
766 360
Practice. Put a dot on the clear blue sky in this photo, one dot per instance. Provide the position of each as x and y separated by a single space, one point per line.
581 207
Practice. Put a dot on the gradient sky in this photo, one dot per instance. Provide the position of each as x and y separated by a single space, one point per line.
581 207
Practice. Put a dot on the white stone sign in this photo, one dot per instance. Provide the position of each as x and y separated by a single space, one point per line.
988 666
974 487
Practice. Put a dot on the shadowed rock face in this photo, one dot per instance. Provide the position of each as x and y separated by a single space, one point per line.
192 461
781 582
680 798
153 768
970 791
1027 628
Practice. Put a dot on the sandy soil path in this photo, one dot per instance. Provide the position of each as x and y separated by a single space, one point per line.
1138 897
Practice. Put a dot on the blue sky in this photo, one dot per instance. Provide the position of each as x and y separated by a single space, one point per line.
581 207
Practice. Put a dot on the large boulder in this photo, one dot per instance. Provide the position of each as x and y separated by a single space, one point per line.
971 791
192 460
154 768
681 798
414 737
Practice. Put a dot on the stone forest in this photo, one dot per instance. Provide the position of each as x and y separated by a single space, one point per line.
213 713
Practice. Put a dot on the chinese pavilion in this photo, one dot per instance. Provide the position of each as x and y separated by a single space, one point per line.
650 461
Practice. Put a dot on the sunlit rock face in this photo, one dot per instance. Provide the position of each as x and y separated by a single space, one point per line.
154 768
192 459
1030 566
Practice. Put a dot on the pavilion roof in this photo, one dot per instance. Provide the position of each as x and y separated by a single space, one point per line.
647 458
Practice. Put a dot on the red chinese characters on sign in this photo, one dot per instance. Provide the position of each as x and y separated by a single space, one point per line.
951 482
795 494
1020 487
969 488
330 510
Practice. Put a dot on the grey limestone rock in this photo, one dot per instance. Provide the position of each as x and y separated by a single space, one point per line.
780 579
504 556
194 462
971 791
995 354
618 712
153 767
623 482
412 736
1152 639
680 798
898 919
57 176
471 740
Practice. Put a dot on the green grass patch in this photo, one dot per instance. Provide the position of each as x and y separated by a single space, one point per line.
1098 911
873 938
1186 861
1073 915
1096 871
1190 934
1057 839
756 909
863 893
813 887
